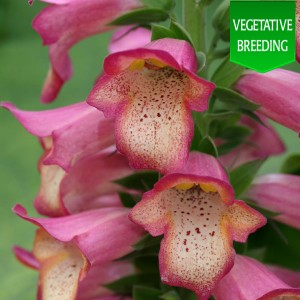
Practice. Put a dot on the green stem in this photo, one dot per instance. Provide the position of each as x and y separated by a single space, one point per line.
194 22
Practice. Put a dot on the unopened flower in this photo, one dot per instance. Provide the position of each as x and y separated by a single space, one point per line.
66 22
261 143
67 248
151 92
278 193
251 280
277 93
196 211
68 133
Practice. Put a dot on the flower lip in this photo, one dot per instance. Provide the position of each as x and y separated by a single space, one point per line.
172 180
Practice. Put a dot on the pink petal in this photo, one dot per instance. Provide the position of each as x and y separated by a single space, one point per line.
152 106
25 257
290 277
251 280
66 23
88 185
278 193
129 37
72 132
85 230
262 142
198 228
277 92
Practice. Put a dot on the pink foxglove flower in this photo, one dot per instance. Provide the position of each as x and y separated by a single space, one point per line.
67 22
151 92
251 280
66 248
67 133
278 193
196 211
278 94
92 286
129 37
88 185
290 277
261 143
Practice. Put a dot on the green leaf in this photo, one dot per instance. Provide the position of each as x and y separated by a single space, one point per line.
234 133
291 165
227 73
242 176
147 264
125 284
141 181
171 295
145 293
128 200
208 146
201 58
235 99
141 16
167 5
229 146
180 32
147 241
160 32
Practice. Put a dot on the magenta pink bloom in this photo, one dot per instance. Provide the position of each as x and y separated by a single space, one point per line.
129 37
151 92
92 285
278 94
278 193
68 133
67 22
67 248
196 211
290 277
251 280
261 143
88 185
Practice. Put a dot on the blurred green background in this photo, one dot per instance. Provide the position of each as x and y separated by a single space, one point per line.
23 66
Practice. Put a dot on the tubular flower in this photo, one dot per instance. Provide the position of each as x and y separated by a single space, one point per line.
278 94
92 286
278 193
88 185
66 248
261 143
129 37
67 133
151 92
290 277
196 211
251 280
65 23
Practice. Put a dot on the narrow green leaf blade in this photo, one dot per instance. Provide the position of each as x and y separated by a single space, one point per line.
227 73
160 32
242 176
235 99
141 16
291 165
145 293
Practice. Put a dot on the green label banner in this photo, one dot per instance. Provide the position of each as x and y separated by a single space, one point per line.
262 34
